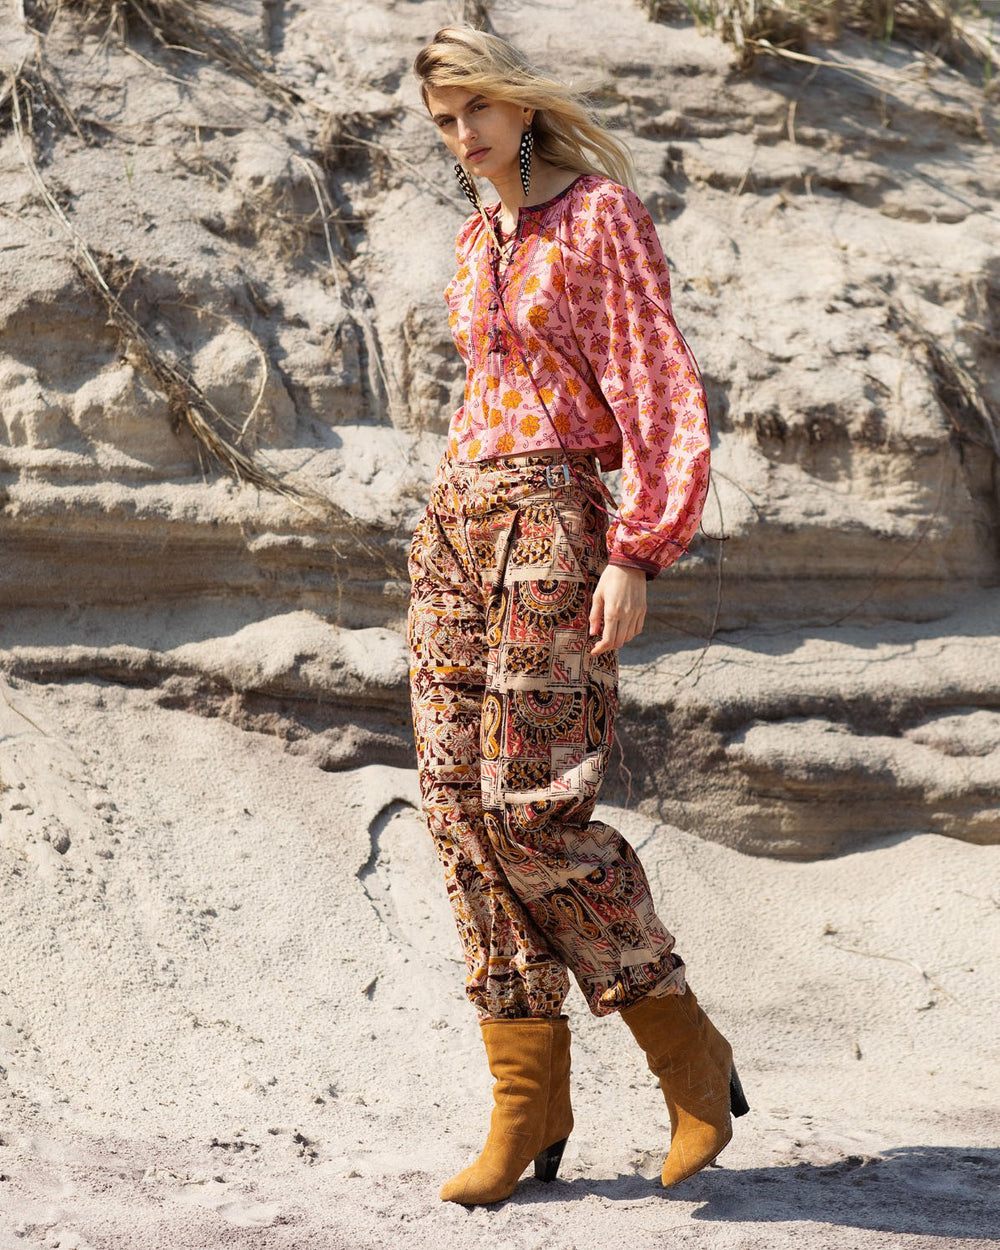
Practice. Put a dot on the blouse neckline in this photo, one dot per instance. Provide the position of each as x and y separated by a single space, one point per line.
494 208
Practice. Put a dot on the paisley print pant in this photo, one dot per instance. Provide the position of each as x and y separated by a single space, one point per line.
514 722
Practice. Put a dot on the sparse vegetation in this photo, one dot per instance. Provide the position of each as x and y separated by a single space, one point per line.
44 110
943 28
188 406
179 25
35 110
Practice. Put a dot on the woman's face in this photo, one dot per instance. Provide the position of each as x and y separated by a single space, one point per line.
482 134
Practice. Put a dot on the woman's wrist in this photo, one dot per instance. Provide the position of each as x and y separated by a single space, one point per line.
646 567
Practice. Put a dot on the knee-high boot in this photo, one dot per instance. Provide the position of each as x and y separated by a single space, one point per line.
694 1064
532 1116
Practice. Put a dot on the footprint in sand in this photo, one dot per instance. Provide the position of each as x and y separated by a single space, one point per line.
232 1206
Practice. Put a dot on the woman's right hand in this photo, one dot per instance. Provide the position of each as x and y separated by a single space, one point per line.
618 611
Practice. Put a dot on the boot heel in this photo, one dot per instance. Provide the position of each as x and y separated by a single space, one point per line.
738 1104
547 1163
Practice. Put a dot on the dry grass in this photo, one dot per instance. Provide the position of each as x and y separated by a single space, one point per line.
43 106
177 25
271 221
940 27
189 408
346 143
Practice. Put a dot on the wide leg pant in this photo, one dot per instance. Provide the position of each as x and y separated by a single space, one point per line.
514 723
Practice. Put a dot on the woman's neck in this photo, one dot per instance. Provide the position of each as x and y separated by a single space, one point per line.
546 181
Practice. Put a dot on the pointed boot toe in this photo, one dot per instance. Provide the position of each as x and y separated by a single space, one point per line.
693 1146
477 1185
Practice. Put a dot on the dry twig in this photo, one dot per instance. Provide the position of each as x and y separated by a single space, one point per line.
898 959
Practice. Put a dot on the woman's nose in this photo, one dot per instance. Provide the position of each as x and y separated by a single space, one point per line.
465 130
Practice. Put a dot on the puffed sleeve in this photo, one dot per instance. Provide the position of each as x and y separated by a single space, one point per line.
619 295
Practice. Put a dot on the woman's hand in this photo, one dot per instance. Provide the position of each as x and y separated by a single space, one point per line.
619 607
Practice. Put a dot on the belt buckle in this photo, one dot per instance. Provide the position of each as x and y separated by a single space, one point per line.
551 470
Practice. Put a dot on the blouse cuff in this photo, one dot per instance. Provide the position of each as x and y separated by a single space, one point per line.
645 566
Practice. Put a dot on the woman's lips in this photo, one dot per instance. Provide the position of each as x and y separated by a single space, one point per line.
476 154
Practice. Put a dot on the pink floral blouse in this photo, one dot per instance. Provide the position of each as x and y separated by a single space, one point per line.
589 294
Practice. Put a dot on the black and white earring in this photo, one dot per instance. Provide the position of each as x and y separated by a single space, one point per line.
468 186
524 156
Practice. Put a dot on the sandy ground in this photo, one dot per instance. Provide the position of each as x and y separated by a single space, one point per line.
231 1015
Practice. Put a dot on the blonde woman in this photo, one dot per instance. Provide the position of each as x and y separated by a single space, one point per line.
526 581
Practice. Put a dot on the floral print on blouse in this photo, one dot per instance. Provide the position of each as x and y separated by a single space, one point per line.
588 292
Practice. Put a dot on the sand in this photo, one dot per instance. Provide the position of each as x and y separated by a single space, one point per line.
232 1015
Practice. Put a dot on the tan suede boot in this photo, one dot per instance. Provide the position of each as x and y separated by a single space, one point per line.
694 1064
532 1116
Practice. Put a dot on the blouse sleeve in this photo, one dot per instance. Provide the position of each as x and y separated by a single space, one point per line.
620 307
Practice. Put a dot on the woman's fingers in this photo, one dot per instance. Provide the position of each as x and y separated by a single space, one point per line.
597 611
618 630
619 608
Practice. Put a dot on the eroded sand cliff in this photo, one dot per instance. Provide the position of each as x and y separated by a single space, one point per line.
279 228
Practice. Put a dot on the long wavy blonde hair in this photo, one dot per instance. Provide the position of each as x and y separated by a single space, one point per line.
567 134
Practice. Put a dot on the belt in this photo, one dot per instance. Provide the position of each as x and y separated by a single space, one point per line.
531 457
556 462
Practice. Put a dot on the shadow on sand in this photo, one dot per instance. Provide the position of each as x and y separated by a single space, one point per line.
937 1191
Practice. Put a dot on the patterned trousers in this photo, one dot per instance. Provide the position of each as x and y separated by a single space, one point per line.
514 722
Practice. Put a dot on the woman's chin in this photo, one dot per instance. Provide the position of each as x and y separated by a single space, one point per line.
490 170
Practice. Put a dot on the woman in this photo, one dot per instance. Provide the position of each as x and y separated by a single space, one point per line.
522 591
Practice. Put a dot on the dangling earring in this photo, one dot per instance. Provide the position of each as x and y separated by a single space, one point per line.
524 156
469 187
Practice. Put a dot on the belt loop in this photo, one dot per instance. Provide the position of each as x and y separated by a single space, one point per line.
551 475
